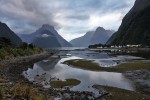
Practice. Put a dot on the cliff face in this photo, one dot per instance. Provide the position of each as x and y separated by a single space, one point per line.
135 27
6 32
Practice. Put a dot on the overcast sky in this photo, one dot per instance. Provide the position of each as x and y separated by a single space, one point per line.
71 18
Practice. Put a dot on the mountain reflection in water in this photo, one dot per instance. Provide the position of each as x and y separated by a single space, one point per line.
46 70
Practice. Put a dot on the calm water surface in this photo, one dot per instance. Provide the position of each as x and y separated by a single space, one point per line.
46 70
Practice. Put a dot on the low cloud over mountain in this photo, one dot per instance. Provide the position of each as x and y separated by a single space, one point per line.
72 18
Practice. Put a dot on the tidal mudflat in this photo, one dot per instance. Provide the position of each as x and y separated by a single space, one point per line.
99 68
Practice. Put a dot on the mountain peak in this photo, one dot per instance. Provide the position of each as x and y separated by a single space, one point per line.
48 37
100 29
3 24
47 26
100 35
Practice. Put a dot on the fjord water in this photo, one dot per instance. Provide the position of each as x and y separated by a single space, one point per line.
49 69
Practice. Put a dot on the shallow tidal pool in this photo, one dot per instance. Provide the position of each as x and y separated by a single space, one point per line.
53 69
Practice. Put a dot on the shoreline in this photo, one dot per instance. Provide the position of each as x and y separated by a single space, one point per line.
141 80
13 83
14 67
16 61
139 77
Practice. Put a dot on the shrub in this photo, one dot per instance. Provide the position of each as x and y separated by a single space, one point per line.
26 91
5 41
23 50
31 46
24 45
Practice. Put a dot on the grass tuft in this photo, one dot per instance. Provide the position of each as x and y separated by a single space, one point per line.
89 65
22 90
120 94
68 82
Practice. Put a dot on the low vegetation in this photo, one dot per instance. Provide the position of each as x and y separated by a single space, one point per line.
61 84
7 50
83 64
119 94
89 65
22 91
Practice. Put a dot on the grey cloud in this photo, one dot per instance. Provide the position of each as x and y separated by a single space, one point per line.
27 12
78 17
82 6
25 16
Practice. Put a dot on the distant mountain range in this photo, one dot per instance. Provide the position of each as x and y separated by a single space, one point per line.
46 37
135 27
100 36
6 32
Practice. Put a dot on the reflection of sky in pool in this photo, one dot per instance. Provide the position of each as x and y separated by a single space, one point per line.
44 70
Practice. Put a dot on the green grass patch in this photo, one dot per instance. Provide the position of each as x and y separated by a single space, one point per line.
120 94
89 65
7 52
68 82
83 64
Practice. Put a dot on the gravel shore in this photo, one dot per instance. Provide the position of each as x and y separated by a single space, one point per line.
17 65
13 83
11 69
23 60
141 79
